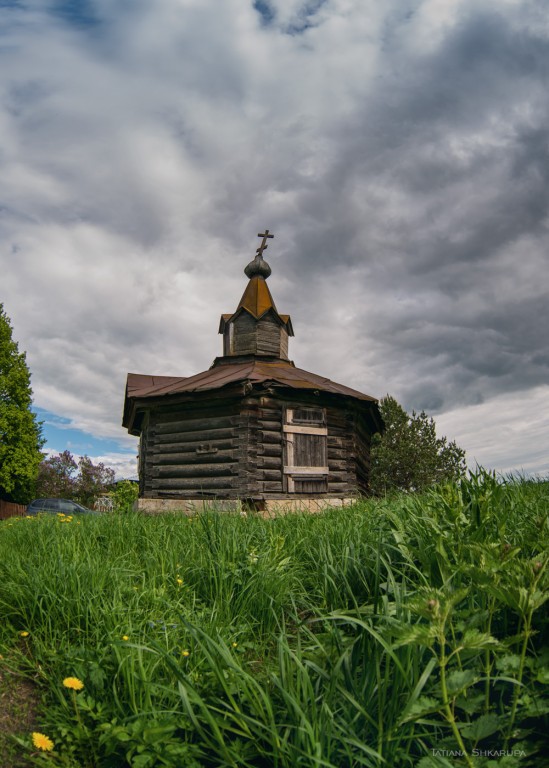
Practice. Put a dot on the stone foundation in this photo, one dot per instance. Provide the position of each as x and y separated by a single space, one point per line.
265 508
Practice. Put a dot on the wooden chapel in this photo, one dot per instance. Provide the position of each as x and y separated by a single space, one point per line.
253 428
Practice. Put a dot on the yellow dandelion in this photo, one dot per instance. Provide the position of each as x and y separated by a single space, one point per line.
74 683
125 637
185 653
42 742
23 634
179 581
235 645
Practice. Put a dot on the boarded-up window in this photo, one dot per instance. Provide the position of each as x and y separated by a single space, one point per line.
305 450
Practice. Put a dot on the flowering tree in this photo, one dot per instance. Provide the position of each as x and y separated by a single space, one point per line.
62 476
92 479
57 476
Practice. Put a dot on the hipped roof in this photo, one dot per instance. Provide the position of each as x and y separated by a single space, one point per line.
222 374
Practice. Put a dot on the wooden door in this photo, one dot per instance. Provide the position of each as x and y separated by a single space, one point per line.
305 450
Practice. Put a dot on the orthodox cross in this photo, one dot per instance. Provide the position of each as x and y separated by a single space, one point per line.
263 245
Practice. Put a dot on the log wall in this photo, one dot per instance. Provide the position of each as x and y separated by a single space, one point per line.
193 452
362 444
235 449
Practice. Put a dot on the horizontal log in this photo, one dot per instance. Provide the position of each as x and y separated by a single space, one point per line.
270 486
341 477
335 432
179 446
268 424
222 494
270 474
335 423
168 426
204 435
333 486
270 437
197 470
271 449
336 454
214 456
338 465
196 484
270 462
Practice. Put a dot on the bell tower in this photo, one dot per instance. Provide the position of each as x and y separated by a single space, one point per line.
256 328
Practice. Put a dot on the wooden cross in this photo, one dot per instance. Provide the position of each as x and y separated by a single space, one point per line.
263 245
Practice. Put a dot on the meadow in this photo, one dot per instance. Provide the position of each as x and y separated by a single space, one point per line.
401 632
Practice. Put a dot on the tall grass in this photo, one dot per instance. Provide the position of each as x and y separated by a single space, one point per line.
405 632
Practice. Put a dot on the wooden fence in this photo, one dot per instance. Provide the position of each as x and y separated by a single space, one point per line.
7 509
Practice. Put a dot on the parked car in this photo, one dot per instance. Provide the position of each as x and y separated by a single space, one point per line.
58 506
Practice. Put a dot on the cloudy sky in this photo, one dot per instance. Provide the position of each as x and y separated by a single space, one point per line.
399 151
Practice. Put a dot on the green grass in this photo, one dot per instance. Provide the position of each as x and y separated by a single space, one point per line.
404 632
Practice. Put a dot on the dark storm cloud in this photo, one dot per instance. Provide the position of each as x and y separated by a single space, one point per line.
399 151
446 173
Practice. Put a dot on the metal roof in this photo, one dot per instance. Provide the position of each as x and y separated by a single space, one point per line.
257 298
225 371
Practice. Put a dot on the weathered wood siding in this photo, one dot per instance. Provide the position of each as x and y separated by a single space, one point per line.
145 463
257 337
236 449
193 453
342 477
361 451
268 451
270 447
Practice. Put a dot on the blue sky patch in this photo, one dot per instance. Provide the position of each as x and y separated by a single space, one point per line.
265 11
78 13
60 436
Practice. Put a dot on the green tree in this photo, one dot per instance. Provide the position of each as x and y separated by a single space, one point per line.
124 495
409 456
20 432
